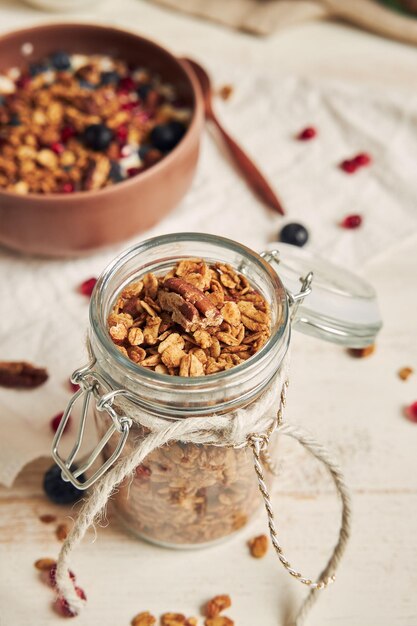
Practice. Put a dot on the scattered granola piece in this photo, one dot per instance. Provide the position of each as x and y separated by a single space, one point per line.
216 605
21 375
258 546
173 619
143 619
360 353
47 518
405 372
220 620
61 532
45 564
226 91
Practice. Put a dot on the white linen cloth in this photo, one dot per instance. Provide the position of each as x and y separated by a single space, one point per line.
44 317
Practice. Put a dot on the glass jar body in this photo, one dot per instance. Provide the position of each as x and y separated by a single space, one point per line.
186 494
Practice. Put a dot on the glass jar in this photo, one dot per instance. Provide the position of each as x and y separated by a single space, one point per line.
186 494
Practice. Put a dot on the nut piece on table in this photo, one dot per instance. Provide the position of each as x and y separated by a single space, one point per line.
216 605
220 620
173 619
258 546
21 375
45 564
360 353
405 372
143 619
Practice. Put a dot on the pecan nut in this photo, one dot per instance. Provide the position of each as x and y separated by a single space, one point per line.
21 375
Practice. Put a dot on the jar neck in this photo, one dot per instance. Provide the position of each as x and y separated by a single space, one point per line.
175 396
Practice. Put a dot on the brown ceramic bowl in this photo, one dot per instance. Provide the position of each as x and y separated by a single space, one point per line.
77 223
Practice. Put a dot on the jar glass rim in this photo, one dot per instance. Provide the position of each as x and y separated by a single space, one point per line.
99 323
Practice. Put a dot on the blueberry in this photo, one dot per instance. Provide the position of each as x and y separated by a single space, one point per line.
59 491
97 136
109 78
143 90
115 172
37 68
295 234
166 136
85 84
14 120
2 100
60 60
143 151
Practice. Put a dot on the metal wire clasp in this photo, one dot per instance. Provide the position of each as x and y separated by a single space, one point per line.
90 382
294 299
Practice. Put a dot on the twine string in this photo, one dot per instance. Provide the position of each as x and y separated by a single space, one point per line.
232 430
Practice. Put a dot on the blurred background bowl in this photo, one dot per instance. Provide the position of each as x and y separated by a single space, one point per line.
81 222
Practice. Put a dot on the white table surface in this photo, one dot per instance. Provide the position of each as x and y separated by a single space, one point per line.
353 406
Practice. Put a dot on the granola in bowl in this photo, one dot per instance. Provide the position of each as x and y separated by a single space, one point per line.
73 122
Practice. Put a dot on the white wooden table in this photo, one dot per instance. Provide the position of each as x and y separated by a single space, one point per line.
353 406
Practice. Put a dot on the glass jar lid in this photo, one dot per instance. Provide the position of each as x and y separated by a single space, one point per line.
341 308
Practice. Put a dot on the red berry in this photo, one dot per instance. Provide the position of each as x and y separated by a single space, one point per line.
55 422
73 386
132 171
86 288
307 134
52 576
351 221
23 82
127 83
411 412
67 188
128 106
349 166
143 472
362 159
57 147
67 132
121 134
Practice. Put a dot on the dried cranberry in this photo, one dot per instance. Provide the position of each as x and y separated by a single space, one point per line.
128 106
55 422
411 412
308 133
132 171
67 188
121 134
362 160
143 472
351 221
349 166
67 133
23 81
57 147
127 83
73 386
86 288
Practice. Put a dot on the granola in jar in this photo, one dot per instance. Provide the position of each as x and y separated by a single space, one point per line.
75 122
198 319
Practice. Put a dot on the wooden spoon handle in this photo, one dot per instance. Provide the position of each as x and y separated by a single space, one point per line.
375 18
253 176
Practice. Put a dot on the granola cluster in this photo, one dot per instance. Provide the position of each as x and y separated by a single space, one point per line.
196 320
77 123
